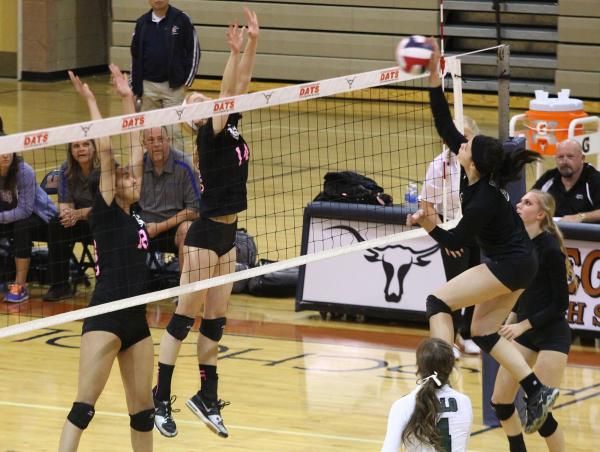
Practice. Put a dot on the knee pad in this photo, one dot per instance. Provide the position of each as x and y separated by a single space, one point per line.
142 421
81 415
180 326
486 343
434 306
213 328
503 410
548 427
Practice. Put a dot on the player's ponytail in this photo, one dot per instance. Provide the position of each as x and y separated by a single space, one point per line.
491 159
435 362
548 206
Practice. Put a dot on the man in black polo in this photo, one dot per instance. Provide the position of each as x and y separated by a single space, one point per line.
165 53
169 195
574 184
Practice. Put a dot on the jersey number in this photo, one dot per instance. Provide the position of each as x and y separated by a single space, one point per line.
243 157
443 428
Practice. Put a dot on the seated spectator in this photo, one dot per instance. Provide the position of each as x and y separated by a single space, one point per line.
574 184
25 210
75 201
170 193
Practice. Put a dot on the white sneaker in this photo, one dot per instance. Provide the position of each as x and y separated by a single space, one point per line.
456 352
470 347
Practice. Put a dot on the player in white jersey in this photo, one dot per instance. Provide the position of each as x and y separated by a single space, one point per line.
433 417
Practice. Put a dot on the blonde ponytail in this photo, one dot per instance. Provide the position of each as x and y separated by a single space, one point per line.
548 205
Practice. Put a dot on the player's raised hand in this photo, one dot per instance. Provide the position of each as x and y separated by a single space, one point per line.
434 62
252 23
82 88
235 37
119 81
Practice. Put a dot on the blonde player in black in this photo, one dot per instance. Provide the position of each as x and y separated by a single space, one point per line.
509 260
121 243
537 325
210 242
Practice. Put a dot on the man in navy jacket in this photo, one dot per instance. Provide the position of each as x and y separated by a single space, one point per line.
165 53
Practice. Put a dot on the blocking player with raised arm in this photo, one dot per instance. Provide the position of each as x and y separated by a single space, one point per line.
537 325
509 261
121 243
433 417
210 242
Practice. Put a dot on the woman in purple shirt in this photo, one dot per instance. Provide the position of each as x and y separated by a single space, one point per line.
25 210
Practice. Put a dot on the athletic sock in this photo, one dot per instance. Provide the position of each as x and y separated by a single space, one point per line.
517 443
530 384
208 382
162 390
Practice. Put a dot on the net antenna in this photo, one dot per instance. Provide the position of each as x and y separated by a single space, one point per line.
452 67
355 105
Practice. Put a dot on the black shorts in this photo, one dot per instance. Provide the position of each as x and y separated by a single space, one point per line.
211 235
165 242
516 273
129 326
555 336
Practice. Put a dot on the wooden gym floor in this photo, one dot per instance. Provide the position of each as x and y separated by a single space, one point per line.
295 381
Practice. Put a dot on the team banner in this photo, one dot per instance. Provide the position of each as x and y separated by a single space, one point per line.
584 289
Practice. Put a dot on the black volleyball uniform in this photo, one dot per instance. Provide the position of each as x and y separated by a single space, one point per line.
488 215
224 171
121 244
546 299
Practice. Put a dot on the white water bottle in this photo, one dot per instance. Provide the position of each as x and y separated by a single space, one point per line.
411 195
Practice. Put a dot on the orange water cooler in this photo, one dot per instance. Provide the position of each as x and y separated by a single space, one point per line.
546 123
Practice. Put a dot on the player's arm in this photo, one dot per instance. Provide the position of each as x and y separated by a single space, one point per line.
132 143
439 105
174 221
249 56
397 420
107 167
235 40
473 220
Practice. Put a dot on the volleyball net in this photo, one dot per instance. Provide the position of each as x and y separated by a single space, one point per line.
375 123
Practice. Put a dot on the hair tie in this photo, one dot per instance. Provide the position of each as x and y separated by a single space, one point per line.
431 377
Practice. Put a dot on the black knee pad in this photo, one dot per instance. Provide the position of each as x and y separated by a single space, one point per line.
142 421
180 326
486 343
81 415
548 427
213 328
434 306
503 410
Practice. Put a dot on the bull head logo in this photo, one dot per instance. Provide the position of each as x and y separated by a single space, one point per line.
396 261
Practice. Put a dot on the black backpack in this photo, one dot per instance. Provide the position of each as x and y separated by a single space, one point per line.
351 187
281 283
245 247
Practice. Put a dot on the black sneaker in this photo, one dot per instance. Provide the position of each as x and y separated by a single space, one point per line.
58 292
538 406
209 413
162 417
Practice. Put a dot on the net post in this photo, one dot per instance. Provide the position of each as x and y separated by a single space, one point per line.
503 74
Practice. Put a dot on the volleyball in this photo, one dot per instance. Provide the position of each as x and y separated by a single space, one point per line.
413 54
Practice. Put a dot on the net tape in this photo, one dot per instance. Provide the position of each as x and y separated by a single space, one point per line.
118 125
